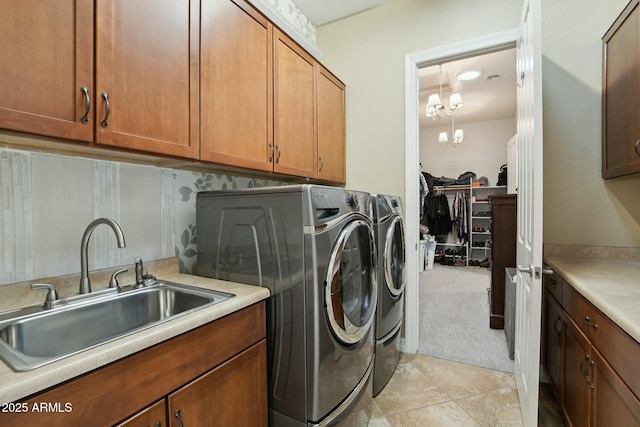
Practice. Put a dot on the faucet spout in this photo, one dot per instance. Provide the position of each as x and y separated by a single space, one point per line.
85 283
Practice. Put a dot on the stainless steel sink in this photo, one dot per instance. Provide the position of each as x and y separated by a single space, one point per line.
32 337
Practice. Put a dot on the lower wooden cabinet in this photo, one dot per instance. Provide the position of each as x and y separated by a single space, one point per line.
613 404
233 394
213 375
575 379
153 416
553 333
598 375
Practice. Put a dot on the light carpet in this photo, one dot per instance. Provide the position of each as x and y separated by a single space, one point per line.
454 318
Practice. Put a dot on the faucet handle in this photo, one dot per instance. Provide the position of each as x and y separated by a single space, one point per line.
113 283
139 272
52 295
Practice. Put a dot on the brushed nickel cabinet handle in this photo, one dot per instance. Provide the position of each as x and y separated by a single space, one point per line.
557 325
177 415
279 153
272 152
584 368
637 144
587 321
107 110
321 164
87 105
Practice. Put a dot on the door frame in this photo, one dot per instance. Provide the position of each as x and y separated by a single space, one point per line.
473 47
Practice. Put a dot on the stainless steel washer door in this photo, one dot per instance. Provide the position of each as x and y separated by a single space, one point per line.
394 257
350 285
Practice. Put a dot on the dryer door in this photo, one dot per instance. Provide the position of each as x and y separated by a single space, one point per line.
350 286
394 257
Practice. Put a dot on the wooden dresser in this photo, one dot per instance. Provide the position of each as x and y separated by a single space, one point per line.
503 251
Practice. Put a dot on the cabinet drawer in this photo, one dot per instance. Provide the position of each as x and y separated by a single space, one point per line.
621 350
553 283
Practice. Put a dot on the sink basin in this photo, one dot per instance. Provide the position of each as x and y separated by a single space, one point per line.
29 340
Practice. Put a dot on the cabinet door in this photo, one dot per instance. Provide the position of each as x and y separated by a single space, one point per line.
331 127
233 394
613 404
621 96
46 58
575 373
237 85
294 109
153 416
147 65
553 339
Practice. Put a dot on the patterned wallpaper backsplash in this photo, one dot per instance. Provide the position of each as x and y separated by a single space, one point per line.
47 201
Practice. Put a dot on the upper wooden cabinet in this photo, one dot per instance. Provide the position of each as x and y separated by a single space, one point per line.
236 85
46 59
294 108
147 75
621 95
212 80
331 127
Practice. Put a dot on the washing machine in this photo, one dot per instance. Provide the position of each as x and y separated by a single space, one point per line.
314 248
389 235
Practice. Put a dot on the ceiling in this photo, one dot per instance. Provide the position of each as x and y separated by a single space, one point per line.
492 96
325 11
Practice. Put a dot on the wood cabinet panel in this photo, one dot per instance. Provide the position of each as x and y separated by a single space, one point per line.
503 251
294 109
236 85
613 403
147 63
553 335
233 394
331 127
575 389
154 416
110 394
621 95
46 57
620 350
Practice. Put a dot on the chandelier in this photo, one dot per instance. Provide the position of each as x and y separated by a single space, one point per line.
436 111
457 135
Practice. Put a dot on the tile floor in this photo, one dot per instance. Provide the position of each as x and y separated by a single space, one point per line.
426 391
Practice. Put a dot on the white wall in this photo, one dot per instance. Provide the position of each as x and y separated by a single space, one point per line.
367 51
483 150
579 206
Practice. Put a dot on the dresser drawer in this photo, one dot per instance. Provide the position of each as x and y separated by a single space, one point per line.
620 349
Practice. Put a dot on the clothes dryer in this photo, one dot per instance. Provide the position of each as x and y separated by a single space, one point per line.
390 242
313 247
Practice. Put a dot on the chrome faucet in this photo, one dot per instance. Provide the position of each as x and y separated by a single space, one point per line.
85 283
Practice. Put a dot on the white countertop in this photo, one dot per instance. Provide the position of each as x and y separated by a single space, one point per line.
16 385
612 285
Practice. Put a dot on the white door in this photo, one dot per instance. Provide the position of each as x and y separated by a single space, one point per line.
529 245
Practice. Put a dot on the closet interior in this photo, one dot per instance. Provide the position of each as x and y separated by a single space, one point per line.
468 169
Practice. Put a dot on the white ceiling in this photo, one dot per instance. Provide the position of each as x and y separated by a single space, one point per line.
325 11
492 96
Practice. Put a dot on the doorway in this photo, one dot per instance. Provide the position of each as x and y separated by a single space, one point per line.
413 62
460 145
